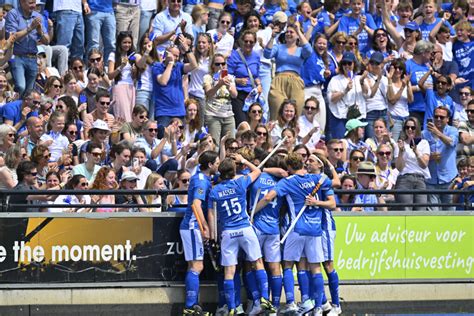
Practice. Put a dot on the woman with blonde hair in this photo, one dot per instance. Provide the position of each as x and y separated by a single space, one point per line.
338 42
8 175
154 182
7 137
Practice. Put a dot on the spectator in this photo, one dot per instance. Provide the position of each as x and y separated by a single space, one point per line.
8 175
338 43
255 115
386 175
128 181
26 173
412 157
381 43
335 155
222 38
154 182
138 166
90 167
460 109
130 131
375 83
123 65
71 88
366 181
96 60
56 142
203 50
193 127
344 91
381 136
149 141
169 23
463 49
17 112
348 182
466 133
445 68
359 23
6 90
443 140
40 155
200 15
354 138
356 156
127 15
249 140
263 137
99 133
101 112
219 88
53 88
465 182
308 125
316 70
179 202
429 9
287 118
7 137
399 94
303 151
167 82
289 58
70 25
77 183
120 154
244 65
105 180
35 128
145 82
100 24
353 47
78 69
27 34
71 132
68 107
44 72
88 94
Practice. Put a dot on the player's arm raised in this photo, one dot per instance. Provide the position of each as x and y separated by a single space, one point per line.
255 171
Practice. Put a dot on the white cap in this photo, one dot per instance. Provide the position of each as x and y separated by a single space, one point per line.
129 176
99 124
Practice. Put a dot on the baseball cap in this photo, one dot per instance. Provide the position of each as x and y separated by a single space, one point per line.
353 124
99 124
377 57
280 17
348 56
129 176
412 26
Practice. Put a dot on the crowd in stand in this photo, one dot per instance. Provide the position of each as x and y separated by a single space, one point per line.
105 94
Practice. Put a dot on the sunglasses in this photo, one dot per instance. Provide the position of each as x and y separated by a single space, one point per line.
346 63
59 107
11 134
34 174
440 117
310 108
465 94
104 103
352 43
341 42
384 153
72 132
175 1
96 154
410 127
142 117
57 86
151 130
233 148
380 35
262 133
95 60
225 22
358 158
249 42
83 184
78 68
338 150
181 127
257 111
36 102
47 156
470 111
219 64
184 180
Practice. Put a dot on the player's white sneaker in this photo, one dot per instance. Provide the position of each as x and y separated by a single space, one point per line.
256 309
305 308
335 310
249 306
222 311
326 306
240 310
288 308
318 311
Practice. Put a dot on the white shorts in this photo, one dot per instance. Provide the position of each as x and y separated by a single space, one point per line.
297 246
328 238
239 239
270 246
192 244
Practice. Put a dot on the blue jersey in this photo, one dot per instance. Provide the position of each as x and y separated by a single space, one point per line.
328 222
463 55
350 25
417 71
267 219
296 188
230 197
199 188
426 28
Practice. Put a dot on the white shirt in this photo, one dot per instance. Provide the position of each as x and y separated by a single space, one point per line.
73 5
400 108
142 177
266 36
145 81
60 143
447 51
197 78
339 83
148 5
165 23
126 72
411 162
305 126
225 45
379 101
68 199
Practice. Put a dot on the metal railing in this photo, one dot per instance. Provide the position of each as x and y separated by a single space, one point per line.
6 206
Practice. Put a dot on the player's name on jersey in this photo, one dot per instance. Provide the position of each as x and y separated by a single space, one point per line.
267 181
307 185
226 192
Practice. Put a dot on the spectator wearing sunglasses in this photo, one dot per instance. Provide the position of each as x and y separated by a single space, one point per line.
27 180
90 168
366 181
356 156
309 129
386 175
335 155
16 113
101 112
181 183
77 183
443 140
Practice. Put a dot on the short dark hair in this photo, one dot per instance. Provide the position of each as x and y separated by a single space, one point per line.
247 135
24 168
206 158
93 146
101 93
294 161
227 169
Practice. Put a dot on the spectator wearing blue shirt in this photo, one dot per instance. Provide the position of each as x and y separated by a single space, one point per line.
16 113
442 67
326 18
270 7
443 140
289 58
26 25
101 22
463 52
442 84
430 20
359 24
344 9
366 180
244 65
168 86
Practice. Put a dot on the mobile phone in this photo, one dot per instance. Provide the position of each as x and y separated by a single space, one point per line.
430 120
224 73
135 162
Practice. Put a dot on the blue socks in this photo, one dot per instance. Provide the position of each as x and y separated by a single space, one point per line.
318 284
262 281
304 285
220 288
252 286
275 284
289 284
229 293
237 286
192 288
333 282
